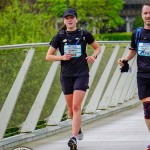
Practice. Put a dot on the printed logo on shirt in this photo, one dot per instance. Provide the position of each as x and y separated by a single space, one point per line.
144 49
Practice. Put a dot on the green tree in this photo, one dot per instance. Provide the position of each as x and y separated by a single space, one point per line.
99 13
27 21
95 13
3 4
21 24
51 9
138 22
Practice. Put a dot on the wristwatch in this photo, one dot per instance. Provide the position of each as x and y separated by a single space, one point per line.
95 56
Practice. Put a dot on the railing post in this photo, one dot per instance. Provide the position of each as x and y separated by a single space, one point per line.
93 73
12 97
32 119
95 99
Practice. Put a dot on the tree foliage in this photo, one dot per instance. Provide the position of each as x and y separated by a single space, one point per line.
21 24
99 13
138 22
27 21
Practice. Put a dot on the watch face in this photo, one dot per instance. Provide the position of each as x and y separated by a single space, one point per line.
95 56
22 148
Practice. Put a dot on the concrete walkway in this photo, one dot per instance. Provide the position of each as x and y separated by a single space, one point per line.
123 131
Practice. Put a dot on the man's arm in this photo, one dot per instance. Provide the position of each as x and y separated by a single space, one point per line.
128 57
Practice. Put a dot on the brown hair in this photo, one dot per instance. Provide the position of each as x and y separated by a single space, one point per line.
63 27
146 4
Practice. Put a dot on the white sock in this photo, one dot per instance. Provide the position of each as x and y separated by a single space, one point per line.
74 136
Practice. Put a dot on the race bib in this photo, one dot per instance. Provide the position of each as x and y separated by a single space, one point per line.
75 50
144 49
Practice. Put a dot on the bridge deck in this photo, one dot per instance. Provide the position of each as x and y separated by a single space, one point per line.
123 131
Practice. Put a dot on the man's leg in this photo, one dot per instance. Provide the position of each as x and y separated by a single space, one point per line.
146 107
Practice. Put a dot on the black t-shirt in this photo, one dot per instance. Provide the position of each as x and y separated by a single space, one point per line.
143 52
77 65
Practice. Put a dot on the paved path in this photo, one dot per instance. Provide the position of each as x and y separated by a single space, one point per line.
123 131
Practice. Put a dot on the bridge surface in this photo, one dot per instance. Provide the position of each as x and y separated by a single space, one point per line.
122 131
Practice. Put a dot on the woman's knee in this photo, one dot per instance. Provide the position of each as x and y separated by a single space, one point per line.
76 108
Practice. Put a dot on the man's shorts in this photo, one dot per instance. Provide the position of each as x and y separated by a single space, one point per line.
143 87
69 84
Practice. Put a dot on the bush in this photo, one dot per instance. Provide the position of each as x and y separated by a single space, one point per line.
114 37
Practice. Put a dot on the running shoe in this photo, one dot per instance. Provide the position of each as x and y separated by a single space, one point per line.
80 135
72 143
148 147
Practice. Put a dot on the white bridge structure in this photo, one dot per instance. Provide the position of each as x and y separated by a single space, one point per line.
110 92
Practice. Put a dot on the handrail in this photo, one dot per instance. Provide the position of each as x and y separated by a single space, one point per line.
23 45
47 44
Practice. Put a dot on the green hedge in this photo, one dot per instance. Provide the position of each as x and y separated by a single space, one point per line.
114 36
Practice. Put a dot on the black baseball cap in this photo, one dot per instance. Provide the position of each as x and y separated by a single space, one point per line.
70 12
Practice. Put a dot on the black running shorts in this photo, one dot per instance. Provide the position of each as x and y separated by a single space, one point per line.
69 84
143 87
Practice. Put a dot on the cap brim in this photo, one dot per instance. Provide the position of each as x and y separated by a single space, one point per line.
68 14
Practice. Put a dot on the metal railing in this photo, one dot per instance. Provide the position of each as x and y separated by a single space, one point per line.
35 83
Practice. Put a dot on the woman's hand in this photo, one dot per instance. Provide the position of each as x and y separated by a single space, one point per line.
90 59
67 56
